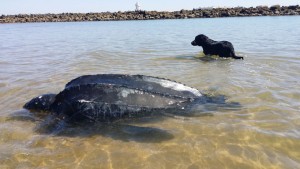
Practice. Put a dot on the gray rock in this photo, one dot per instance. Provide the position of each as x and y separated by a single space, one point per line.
149 15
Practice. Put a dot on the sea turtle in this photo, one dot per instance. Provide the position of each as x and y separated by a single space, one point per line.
109 97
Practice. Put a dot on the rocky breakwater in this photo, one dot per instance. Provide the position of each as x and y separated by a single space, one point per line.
275 10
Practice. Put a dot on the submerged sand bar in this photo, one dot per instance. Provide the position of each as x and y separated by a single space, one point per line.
275 10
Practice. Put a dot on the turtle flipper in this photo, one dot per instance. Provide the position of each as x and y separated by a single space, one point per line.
51 125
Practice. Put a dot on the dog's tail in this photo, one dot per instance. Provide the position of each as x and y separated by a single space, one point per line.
238 57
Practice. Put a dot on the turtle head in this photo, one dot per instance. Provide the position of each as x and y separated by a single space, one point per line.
40 103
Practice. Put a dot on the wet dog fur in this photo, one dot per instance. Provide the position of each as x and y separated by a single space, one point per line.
211 47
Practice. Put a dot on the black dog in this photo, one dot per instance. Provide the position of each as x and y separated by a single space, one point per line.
211 47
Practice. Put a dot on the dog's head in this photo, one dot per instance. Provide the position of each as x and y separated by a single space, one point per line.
200 40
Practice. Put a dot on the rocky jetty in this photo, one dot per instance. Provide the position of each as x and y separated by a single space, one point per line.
275 10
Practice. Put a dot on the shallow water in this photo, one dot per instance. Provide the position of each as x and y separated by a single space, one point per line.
37 58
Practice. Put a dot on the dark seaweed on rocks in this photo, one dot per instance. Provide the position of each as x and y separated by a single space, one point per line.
275 10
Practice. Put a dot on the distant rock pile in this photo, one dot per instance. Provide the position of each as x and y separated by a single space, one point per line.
275 10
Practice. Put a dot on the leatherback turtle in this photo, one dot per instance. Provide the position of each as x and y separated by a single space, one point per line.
109 97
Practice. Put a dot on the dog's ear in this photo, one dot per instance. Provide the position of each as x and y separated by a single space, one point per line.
202 37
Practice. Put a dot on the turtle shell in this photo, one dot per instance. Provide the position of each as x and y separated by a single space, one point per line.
108 102
140 82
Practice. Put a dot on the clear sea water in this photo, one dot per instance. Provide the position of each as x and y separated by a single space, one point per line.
37 58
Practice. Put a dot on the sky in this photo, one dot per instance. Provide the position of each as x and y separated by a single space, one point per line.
8 7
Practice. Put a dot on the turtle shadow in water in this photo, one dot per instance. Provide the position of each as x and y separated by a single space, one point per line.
123 132
119 130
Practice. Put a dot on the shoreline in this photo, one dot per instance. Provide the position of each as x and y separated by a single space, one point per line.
275 10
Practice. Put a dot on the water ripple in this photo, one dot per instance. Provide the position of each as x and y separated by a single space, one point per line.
39 58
